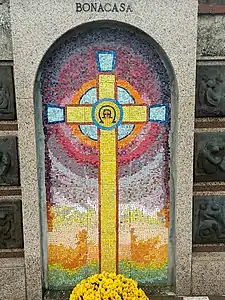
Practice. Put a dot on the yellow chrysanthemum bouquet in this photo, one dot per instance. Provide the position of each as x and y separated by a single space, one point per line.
107 286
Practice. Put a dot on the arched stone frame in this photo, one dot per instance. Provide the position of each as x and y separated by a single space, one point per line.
41 145
30 41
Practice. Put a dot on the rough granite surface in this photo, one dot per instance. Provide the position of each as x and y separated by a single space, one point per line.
5 31
211 36
208 273
12 279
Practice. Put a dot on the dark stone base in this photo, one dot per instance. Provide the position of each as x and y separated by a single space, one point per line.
65 295
156 292
57 295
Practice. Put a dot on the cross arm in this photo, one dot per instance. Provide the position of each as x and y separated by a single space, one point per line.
135 113
142 113
71 114
78 114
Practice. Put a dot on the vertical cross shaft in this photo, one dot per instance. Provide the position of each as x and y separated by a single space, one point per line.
108 185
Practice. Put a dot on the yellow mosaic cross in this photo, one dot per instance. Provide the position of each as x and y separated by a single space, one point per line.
107 114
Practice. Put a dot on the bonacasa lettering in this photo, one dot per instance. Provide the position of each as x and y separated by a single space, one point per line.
106 7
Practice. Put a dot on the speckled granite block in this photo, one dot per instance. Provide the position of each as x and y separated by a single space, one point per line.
208 273
12 283
31 205
12 279
5 31
173 25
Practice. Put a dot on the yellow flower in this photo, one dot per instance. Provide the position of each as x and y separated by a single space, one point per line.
107 286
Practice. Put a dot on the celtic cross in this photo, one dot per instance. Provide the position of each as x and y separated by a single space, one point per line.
107 114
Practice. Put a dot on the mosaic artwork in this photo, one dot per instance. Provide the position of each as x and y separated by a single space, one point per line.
105 94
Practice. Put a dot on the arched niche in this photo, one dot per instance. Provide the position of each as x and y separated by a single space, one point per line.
106 189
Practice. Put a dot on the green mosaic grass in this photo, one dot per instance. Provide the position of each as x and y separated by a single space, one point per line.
65 279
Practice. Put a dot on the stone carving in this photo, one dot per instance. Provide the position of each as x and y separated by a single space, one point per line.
210 91
211 1
209 156
7 99
209 220
211 37
9 165
11 224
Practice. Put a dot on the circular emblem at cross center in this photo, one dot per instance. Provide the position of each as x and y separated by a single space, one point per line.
107 114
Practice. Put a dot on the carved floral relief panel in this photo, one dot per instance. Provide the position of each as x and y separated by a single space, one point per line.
9 161
11 233
7 94
210 91
209 156
209 220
